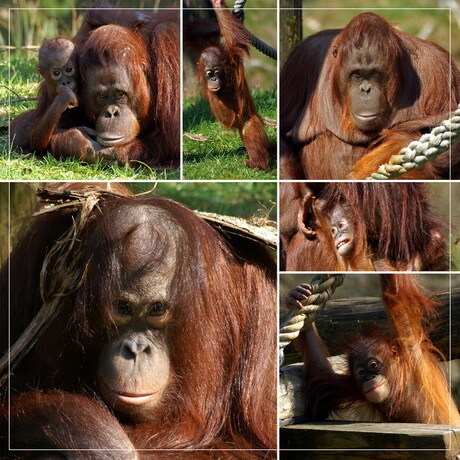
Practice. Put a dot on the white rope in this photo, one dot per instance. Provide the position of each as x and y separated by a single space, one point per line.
323 286
427 148
257 43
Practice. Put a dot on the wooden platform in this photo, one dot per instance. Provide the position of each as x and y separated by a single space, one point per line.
390 440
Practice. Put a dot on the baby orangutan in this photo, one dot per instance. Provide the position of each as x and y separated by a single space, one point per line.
360 226
343 231
57 63
348 250
368 372
391 377
57 96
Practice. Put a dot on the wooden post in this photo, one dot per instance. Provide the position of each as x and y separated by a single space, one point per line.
290 26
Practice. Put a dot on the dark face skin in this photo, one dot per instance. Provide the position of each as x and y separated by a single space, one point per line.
108 95
362 80
57 64
367 372
134 366
213 70
343 232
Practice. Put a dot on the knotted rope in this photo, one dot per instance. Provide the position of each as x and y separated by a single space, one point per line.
323 286
427 148
256 42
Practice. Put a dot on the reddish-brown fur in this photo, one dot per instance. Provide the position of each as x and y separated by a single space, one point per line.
419 391
423 87
395 228
232 105
391 142
149 49
34 129
221 343
301 244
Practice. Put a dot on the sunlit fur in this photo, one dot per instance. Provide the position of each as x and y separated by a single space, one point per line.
419 389
232 105
394 224
221 339
317 132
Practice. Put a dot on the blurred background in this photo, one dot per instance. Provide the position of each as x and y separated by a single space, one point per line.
33 20
359 285
455 214
431 23
251 200
260 18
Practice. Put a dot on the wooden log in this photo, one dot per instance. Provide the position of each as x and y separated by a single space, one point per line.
391 440
291 394
343 319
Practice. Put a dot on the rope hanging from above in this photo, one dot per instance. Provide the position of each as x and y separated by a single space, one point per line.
323 286
427 148
257 43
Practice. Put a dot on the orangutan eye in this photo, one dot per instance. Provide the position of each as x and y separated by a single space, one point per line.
120 96
122 313
373 364
343 224
123 309
360 371
159 309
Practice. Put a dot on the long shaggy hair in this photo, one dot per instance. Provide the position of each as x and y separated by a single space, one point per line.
221 341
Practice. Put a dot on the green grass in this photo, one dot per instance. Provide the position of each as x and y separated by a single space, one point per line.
23 82
219 156
16 166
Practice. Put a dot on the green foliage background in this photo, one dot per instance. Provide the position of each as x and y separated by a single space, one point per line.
245 199
426 18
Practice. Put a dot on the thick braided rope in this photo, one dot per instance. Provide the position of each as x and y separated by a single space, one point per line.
427 148
264 48
257 43
323 286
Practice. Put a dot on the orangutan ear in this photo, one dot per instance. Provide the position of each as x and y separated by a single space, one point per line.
306 209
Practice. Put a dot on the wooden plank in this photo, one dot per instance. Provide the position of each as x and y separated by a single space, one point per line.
365 455
413 438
